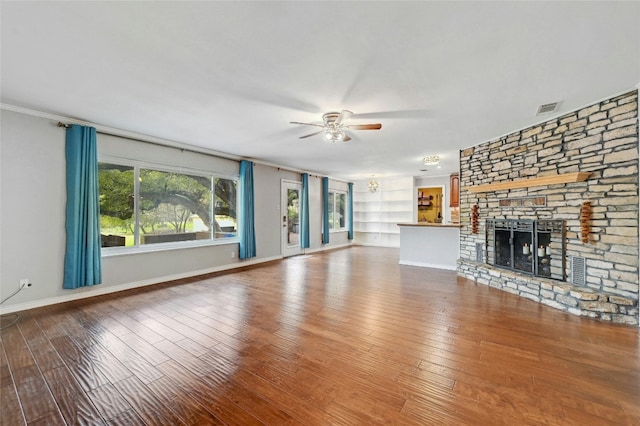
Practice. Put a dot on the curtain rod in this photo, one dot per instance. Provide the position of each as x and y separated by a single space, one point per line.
196 151
181 148
60 119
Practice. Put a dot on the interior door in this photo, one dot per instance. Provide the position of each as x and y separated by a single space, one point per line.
290 212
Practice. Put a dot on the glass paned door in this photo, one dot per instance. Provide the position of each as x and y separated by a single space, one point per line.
290 213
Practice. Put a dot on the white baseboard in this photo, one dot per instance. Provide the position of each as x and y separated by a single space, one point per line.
99 290
325 248
429 265
376 245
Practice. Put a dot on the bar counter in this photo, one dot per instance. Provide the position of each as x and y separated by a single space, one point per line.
430 245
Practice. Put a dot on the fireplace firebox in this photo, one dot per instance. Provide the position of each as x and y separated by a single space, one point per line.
534 247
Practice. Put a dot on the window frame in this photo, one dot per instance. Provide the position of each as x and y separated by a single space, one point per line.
333 206
137 165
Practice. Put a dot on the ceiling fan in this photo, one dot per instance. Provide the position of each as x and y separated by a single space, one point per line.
334 126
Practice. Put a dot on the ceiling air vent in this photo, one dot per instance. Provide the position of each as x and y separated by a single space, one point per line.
547 108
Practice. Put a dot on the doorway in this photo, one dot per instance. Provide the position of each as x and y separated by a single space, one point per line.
290 202
431 204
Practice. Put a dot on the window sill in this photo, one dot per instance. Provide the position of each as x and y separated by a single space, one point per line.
152 248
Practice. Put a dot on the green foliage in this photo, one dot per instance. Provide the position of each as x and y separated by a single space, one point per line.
167 199
170 198
293 208
116 191
225 190
292 214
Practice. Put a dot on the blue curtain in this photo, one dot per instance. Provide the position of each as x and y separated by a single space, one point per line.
304 212
350 207
246 230
82 261
325 210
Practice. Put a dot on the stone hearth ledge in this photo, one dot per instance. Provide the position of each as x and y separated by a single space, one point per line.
576 300
437 225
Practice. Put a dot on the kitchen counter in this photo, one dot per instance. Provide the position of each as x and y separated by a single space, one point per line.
430 245
439 225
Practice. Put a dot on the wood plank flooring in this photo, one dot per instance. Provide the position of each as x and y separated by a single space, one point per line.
341 337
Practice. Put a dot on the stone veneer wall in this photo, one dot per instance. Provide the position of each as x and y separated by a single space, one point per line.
601 139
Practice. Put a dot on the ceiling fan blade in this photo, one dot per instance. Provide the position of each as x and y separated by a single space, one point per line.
306 124
344 115
311 134
376 126
347 138
407 113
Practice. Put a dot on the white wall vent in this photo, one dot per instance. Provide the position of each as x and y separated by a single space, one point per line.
547 108
480 252
578 271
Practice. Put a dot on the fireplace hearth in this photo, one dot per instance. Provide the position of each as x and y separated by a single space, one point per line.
533 247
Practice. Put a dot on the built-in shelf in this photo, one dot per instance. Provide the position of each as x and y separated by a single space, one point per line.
376 214
526 183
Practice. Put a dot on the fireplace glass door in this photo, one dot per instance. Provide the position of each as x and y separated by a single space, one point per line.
522 256
528 246
513 240
549 248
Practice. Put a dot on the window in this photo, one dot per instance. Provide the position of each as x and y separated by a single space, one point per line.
117 205
337 210
141 205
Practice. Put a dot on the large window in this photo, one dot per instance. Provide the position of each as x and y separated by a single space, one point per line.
142 205
337 210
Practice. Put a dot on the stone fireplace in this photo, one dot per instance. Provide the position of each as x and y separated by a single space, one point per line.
532 247
524 226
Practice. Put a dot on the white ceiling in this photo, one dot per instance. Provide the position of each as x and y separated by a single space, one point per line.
230 76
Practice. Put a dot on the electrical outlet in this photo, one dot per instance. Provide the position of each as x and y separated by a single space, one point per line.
25 283
233 254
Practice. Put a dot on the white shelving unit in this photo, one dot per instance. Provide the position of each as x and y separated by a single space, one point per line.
377 214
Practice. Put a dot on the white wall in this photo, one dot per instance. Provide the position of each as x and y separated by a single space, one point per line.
268 215
315 215
32 208
33 204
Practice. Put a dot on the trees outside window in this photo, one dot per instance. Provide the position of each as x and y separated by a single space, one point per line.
337 210
341 200
147 206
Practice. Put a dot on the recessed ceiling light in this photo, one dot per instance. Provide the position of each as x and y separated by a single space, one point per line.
430 160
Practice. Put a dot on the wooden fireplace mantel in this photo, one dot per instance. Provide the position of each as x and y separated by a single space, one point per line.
526 183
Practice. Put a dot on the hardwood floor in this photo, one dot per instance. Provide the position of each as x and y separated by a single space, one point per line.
342 337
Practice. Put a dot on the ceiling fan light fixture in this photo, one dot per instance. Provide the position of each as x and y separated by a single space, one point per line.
430 160
334 135
334 126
